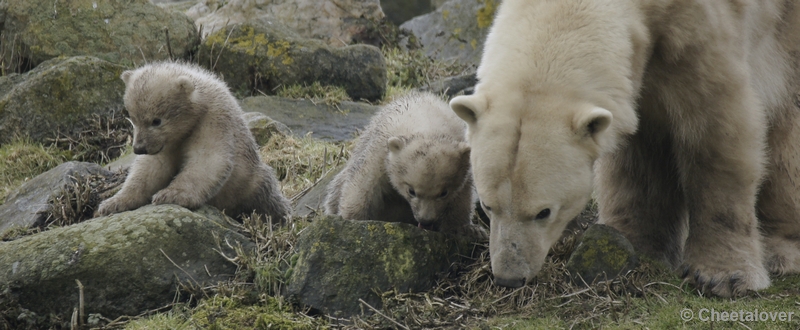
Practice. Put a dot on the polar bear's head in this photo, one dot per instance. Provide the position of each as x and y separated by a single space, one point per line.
429 172
532 159
161 108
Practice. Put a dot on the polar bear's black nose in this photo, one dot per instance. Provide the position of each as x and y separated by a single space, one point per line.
139 150
509 283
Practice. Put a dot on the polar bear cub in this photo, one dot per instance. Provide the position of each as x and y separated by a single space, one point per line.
193 146
411 164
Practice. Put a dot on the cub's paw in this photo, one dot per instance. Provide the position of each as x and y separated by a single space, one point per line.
783 255
726 282
113 205
177 197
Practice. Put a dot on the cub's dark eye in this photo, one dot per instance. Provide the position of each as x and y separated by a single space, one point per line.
485 207
156 122
543 214
443 194
411 192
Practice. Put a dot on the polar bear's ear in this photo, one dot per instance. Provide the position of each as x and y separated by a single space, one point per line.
468 107
396 143
185 85
592 122
126 76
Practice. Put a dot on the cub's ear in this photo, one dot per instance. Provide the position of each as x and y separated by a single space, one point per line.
185 85
592 122
396 143
126 76
469 107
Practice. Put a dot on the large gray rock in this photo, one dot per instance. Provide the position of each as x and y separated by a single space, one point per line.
603 253
399 11
28 205
452 86
336 22
128 262
263 127
326 122
260 56
128 32
341 261
456 30
313 202
58 98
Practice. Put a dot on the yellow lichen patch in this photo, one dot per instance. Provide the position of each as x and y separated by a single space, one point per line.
390 229
486 14
445 14
473 43
278 49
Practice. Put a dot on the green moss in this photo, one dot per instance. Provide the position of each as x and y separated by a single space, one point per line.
486 13
611 254
316 92
22 160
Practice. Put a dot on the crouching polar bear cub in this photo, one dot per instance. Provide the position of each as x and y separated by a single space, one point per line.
681 111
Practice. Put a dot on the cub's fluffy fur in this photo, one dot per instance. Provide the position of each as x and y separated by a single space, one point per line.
193 146
411 164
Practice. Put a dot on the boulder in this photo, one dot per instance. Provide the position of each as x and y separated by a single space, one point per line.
399 11
341 261
335 22
128 263
128 32
263 127
29 205
313 201
456 30
326 122
603 253
59 98
259 56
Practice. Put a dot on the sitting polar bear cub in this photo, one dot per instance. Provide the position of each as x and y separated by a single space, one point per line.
681 111
193 146
411 164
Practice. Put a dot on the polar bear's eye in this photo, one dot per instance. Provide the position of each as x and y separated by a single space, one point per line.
543 214
411 192
156 122
443 194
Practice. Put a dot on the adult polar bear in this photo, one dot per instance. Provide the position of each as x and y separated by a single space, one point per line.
680 110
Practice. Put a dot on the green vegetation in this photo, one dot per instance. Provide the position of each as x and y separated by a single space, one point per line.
316 92
407 70
22 160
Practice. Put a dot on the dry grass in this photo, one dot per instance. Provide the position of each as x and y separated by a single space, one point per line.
316 93
407 70
300 162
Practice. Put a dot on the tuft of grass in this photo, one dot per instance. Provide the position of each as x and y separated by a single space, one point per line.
407 70
316 92
21 160
300 162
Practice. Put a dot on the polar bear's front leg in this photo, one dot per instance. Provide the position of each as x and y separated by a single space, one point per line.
202 176
720 163
148 175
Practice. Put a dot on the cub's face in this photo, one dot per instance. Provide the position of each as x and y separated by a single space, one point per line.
428 173
160 110
532 164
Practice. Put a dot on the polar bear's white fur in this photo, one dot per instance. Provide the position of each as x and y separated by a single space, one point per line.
678 110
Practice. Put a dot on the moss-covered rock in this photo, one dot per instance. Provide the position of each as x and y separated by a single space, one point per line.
263 127
59 97
341 261
128 32
603 253
399 11
28 205
259 56
456 30
326 122
335 22
128 262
